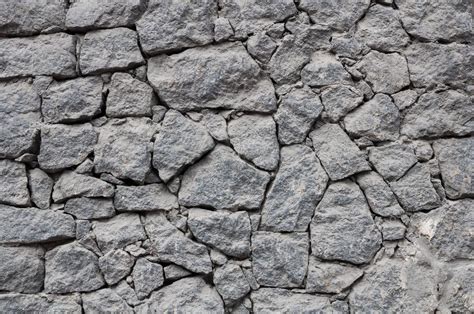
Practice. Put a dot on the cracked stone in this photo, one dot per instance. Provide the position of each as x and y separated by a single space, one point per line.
405 98
222 29
339 100
104 300
231 283
127 293
41 186
71 184
274 300
216 125
392 230
392 161
324 69
144 198
21 269
261 47
90 208
115 265
14 187
175 272
147 276
42 303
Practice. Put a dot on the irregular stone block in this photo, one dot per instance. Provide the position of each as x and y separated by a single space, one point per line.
42 303
144 198
274 300
324 69
175 272
105 300
115 265
71 184
231 283
392 230
261 47
90 208
216 125
392 161
147 276
330 277
21 269
14 183
41 186
339 100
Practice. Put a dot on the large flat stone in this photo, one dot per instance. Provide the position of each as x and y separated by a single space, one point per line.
21 269
71 184
105 300
14 183
42 303
90 208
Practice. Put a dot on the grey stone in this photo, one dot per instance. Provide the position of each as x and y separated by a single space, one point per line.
216 125
229 182
455 162
86 167
405 98
73 100
275 300
21 269
324 69
447 113
71 184
346 45
296 190
41 186
71 268
280 260
40 55
261 47
41 303
297 23
144 198
296 115
222 29
82 228
187 295
109 50
342 227
339 100
126 292
393 160
147 276
423 150
225 231
218 258
115 265
231 283
176 24
254 138
14 186
30 225
170 245
118 232
199 78
129 97
64 146
104 301
392 230
123 148
457 291
90 208
377 120
179 143
175 272
339 156
330 277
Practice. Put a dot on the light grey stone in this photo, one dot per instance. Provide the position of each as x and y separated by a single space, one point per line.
342 227
127 293
324 69
423 150
109 50
175 272
104 301
225 231
82 228
86 167
71 184
21 269
218 258
64 146
339 156
457 294
90 208
295 192
298 23
179 143
147 276
392 230
40 186
216 125
280 260
231 283
261 47
393 160
296 115
115 265
41 303
222 29
171 245
199 78
40 55
405 98
276 300
71 268
144 198
339 100
229 182
346 45
14 183
73 100
254 138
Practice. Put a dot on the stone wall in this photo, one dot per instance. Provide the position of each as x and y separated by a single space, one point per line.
241 156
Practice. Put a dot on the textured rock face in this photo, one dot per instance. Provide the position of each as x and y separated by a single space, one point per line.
90 208
14 188
268 300
231 283
71 184
21 269
339 100
143 271
14 302
144 198
40 186
104 300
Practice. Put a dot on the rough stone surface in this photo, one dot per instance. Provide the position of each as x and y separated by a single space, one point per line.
14 184
272 300
147 276
90 208
40 186
392 161
15 303
21 269
71 184
115 265
339 100
324 69
104 300
231 283
144 198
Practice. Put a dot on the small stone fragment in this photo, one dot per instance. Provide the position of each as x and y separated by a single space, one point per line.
147 276
14 183
90 208
71 184
457 291
115 265
40 303
21 269
216 125
392 161
175 272
261 47
423 150
324 69
231 283
392 230
144 198
218 258
275 300
104 301
339 100
41 186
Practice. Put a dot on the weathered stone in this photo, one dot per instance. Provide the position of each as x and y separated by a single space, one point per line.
405 98
41 186
457 292
447 113
144 198
270 300
346 45
392 230
30 225
261 47
64 146
118 232
71 268
231 283
216 125
339 100
225 231
40 55
109 50
392 161
222 29
90 208
147 276
200 78
176 24
71 184
14 183
280 260
123 148
175 272
127 293
377 120
295 192
186 295
296 115
115 265
21 269
455 158
73 100
254 138
324 69
104 301
229 182
342 227
339 156
330 277
40 303
179 143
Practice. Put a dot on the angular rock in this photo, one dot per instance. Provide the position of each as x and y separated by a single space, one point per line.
271 300
261 47
392 230
21 269
231 283
71 268
295 192
218 76
144 198
126 292
342 227
90 208
41 303
222 29
280 260
330 277
229 182
40 55
339 156
175 272
115 265
377 120
216 125
71 184
457 294
176 24
254 138
103 301
405 98
296 115
147 276
392 161
41 186
109 50
339 100
14 183
324 69
179 143
225 231
64 146
170 245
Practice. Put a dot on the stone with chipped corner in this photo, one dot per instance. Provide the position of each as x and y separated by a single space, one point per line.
144 198
105 301
14 183
339 100
230 283
40 186
324 69
261 47
21 269
71 184
392 161
147 276
115 265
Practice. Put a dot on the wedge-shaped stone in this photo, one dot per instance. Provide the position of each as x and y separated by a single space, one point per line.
14 183
231 283
342 227
144 198
179 143
324 69
339 100
71 184
219 76
225 231
31 225
275 300
330 277
171 245
40 303
41 186
115 265
90 208
147 276
392 161
105 301
228 182
295 192
21 269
